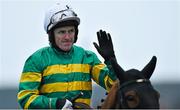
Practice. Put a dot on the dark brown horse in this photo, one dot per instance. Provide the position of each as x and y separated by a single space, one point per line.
133 88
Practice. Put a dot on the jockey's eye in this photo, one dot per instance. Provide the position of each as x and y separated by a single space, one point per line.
71 31
61 32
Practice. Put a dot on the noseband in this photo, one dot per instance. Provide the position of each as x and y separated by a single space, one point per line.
123 104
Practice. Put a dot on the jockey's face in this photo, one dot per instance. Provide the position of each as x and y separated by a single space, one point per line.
64 37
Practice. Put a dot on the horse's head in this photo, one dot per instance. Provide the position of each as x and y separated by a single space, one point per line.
135 89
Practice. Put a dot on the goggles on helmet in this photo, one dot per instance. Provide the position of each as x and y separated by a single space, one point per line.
62 15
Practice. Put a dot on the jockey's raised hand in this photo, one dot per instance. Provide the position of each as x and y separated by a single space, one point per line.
105 47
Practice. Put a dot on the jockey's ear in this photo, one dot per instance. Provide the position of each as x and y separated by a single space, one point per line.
149 68
117 69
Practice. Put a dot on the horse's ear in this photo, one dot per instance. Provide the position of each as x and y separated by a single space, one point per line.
149 68
117 69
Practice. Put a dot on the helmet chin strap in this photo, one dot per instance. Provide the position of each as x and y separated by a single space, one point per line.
76 34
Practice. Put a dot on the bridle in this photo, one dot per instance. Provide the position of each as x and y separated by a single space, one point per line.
133 82
123 103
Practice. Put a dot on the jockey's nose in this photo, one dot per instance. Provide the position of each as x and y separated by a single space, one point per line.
66 35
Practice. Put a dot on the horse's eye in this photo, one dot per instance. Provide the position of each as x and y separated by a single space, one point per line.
129 98
132 99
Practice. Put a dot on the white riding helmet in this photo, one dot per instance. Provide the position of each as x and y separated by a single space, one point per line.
59 13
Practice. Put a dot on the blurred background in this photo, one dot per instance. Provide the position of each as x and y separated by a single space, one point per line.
139 30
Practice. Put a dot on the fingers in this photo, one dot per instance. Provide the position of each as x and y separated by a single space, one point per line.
110 40
102 35
100 38
109 37
97 47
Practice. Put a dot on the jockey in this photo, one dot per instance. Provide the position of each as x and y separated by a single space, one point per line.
53 75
